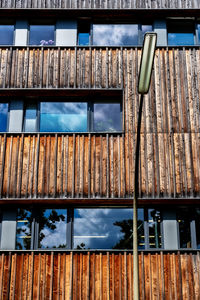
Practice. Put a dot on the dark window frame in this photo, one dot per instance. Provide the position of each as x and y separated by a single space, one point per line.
91 100
70 228
193 23
192 228
139 39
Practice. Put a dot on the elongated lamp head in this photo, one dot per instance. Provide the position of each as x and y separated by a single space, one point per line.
146 64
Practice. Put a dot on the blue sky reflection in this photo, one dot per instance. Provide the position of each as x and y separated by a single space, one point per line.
115 34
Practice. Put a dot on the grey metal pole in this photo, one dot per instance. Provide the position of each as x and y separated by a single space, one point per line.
136 291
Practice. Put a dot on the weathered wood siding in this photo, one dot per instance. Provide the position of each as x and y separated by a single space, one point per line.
89 166
102 166
100 4
98 275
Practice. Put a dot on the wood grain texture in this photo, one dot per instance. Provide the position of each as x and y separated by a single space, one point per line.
82 275
69 166
101 4
171 166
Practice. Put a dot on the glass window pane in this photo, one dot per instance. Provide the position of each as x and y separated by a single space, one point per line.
3 116
24 223
146 28
52 228
154 220
197 223
41 35
30 118
107 117
184 228
6 34
83 39
63 117
180 33
115 34
105 228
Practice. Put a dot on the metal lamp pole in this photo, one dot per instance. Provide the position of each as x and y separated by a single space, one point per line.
146 65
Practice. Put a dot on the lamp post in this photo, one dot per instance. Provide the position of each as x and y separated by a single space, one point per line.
146 65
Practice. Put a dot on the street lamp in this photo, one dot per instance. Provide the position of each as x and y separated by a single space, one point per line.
146 65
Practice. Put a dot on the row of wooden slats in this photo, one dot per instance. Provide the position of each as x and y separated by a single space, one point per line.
172 105
90 166
98 276
101 4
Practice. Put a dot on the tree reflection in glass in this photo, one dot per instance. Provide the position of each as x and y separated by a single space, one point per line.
24 222
106 228
52 228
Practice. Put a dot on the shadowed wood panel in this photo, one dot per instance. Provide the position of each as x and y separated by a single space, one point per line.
89 166
100 4
172 104
81 275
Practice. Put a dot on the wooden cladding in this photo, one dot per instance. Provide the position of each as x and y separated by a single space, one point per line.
172 105
102 166
98 275
93 166
100 4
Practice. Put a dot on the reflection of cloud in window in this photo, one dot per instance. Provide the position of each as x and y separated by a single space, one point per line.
94 227
3 108
63 107
107 117
56 237
115 34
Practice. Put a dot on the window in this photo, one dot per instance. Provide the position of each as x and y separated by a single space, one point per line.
189 228
42 35
181 33
99 228
115 34
6 34
111 34
63 117
84 33
3 116
72 116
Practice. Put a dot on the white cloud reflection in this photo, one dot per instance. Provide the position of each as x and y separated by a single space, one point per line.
115 34
89 224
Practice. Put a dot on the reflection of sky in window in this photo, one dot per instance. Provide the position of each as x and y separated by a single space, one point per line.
53 238
146 28
41 33
63 117
180 38
6 34
30 118
107 117
23 236
116 34
95 227
3 116
83 39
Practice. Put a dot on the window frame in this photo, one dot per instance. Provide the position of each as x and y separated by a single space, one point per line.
91 34
192 229
70 228
90 100
40 24
193 22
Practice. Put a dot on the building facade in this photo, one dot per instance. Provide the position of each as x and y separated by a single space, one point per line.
68 121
